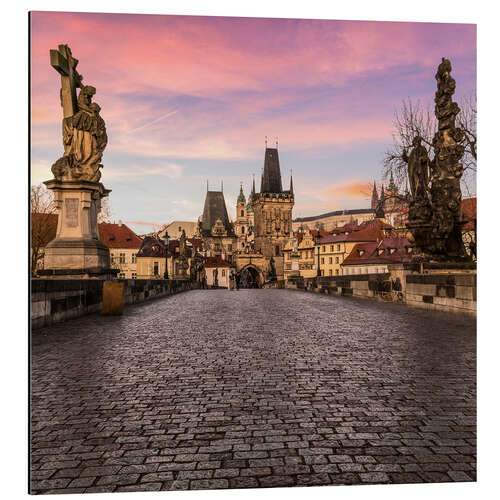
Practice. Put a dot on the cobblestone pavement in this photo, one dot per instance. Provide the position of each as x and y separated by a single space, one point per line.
253 388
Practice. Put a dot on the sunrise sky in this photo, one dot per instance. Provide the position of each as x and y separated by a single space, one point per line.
186 99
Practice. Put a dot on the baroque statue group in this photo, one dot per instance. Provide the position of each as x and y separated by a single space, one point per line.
435 217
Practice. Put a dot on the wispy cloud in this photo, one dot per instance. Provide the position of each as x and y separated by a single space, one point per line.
186 95
154 121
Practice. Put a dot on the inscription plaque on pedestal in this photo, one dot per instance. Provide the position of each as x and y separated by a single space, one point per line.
71 210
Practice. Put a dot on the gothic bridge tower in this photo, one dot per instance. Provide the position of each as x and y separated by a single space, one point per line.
273 214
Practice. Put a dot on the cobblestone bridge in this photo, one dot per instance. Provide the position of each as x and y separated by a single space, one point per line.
253 388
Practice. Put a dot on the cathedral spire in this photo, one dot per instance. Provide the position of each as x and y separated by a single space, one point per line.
291 183
375 200
392 186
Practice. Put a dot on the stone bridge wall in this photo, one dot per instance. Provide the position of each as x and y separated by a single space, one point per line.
54 300
445 292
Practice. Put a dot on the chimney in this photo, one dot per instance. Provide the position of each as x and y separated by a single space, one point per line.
119 223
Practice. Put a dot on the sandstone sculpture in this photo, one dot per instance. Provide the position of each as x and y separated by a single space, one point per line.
83 129
435 209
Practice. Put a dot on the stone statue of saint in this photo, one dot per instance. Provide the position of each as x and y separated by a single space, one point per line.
84 139
418 169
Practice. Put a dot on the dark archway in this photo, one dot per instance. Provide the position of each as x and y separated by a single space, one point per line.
250 278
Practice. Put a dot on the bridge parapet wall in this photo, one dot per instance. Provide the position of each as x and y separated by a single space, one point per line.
53 300
451 292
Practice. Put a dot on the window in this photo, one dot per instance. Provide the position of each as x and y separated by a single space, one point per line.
322 260
323 248
122 258
180 229
134 276
155 269
331 248
242 229
329 260
336 272
242 213
329 272
121 276
223 273
336 260
134 258
277 250
230 247
338 247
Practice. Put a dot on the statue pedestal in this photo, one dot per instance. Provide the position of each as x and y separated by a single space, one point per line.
76 251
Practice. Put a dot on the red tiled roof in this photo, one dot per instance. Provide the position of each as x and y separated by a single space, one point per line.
152 247
216 262
380 252
112 235
373 233
118 236
196 242
469 213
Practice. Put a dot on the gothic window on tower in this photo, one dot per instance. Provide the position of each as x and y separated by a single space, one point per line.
277 250
242 229
242 213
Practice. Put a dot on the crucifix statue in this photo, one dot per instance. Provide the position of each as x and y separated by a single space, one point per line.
84 130
65 64
76 251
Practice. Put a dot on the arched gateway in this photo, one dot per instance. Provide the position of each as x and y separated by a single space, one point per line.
250 277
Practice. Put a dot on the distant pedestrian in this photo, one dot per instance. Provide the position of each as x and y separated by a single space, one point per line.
237 281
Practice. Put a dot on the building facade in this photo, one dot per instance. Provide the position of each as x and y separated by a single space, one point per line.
123 246
215 228
375 256
218 272
332 250
300 255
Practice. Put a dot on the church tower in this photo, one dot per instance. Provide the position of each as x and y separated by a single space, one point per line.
273 214
241 226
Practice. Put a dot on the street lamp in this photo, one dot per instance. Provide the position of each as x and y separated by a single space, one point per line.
318 273
166 239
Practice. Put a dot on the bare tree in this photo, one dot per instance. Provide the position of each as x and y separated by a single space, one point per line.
415 118
42 209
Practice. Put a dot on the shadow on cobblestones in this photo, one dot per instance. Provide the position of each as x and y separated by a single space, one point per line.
255 388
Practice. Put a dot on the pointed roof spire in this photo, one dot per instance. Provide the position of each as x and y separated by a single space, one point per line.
392 186
271 174
241 196
375 200
291 182
382 194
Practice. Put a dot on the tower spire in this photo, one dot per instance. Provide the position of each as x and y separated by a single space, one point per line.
375 200
291 182
241 196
